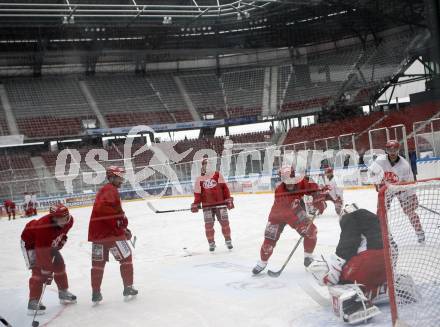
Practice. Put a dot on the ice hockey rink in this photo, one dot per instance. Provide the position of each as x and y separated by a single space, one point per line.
180 282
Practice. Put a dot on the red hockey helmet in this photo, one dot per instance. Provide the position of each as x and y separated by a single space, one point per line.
287 175
392 147
112 171
59 211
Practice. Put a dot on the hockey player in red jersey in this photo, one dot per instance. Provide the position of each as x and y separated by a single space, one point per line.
392 168
41 242
288 208
108 232
212 192
9 208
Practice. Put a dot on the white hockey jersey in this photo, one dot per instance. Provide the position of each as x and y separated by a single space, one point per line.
381 171
334 190
27 198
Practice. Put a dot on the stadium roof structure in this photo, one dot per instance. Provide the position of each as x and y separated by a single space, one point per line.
46 19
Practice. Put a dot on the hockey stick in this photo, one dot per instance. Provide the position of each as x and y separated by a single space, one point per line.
278 273
430 210
177 210
133 243
165 211
4 322
36 323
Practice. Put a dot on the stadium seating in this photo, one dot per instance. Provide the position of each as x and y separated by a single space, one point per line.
324 130
205 92
44 107
168 91
4 130
127 100
244 91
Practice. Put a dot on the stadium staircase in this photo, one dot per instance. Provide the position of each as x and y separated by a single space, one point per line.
8 125
44 175
189 104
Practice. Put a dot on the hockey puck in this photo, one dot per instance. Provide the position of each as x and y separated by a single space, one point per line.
35 323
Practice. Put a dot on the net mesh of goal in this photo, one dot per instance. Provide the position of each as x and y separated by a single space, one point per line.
411 231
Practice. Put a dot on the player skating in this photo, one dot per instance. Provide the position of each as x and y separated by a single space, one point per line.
334 192
392 168
355 274
289 208
212 192
41 242
108 232
9 208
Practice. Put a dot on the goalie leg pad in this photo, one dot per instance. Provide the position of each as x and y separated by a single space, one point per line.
350 304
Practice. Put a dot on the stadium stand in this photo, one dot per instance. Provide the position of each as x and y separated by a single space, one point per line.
127 100
4 130
206 93
170 95
48 107
244 92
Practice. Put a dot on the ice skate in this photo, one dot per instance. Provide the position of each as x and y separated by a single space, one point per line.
259 267
129 293
66 297
96 297
307 261
211 246
229 244
33 306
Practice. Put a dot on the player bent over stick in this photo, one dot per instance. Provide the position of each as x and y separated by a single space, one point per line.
41 242
289 208
392 168
355 274
334 193
212 192
109 233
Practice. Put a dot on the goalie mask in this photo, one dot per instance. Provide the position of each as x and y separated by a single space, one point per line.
349 208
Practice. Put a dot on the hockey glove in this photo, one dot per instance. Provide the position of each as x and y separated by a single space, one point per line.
62 242
230 203
194 207
128 234
47 277
319 205
335 265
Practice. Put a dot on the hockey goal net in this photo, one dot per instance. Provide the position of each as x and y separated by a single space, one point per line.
410 219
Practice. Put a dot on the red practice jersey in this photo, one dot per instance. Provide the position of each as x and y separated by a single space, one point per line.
282 211
43 235
211 190
108 221
9 204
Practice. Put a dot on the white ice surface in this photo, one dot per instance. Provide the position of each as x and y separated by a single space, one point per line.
204 289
